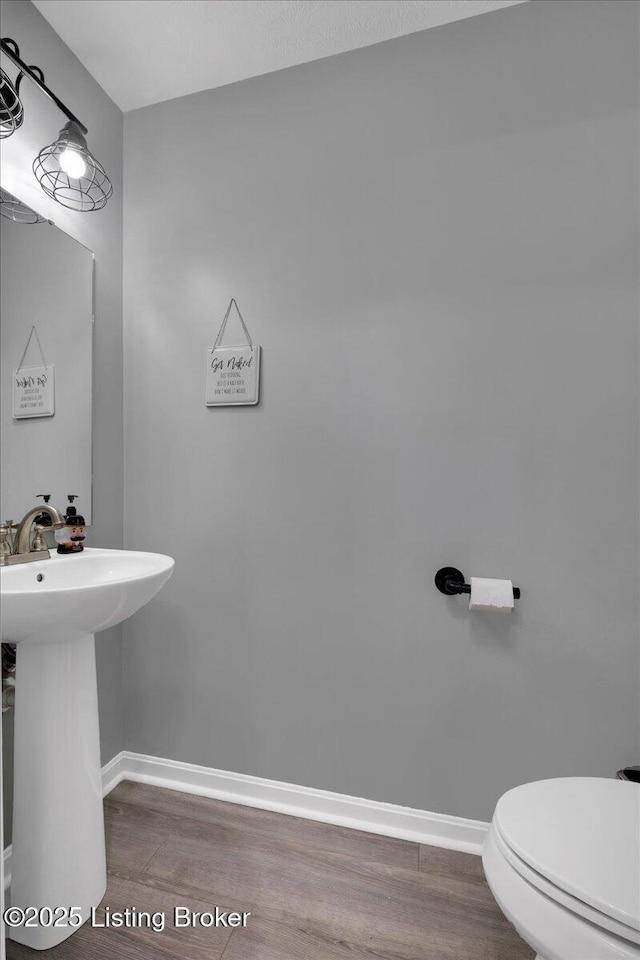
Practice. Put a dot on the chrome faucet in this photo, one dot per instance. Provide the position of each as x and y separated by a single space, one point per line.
23 550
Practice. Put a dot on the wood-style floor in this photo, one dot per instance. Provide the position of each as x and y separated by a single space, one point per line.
315 892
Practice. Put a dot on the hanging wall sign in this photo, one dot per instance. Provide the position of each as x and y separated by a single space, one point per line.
33 387
232 376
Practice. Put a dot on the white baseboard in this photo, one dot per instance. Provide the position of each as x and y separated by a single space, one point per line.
386 819
112 773
6 858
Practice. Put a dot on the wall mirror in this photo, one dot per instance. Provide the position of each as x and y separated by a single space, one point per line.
46 286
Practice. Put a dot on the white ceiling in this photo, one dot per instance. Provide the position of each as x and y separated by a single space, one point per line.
145 51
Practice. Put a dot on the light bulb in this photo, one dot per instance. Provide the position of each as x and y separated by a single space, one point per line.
72 163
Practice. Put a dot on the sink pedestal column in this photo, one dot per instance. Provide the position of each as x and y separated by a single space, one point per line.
58 857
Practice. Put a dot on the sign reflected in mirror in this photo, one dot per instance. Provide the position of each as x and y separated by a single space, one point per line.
46 346
33 387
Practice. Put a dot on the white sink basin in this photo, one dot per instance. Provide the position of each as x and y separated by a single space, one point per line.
51 609
88 591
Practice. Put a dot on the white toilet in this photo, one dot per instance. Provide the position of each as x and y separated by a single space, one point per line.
562 858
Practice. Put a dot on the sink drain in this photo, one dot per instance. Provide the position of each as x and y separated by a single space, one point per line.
40 577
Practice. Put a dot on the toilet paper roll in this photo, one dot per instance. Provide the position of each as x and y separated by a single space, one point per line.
487 594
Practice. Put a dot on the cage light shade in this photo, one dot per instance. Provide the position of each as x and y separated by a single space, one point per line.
11 112
89 189
16 210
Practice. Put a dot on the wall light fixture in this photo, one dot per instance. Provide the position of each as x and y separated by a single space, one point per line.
16 210
66 169
11 112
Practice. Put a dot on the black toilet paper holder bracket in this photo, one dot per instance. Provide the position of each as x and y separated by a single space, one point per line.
450 581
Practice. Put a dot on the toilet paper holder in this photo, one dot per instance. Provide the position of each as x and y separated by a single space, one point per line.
450 581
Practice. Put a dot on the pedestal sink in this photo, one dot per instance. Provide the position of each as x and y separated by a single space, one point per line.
51 609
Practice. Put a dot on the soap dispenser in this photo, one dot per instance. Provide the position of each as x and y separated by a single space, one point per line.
44 519
71 537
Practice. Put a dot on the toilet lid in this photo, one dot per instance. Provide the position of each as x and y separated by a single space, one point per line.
583 835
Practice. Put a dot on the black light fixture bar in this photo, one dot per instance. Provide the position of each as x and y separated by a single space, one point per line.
10 48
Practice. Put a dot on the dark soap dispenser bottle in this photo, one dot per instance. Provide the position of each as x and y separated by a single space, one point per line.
71 537
43 519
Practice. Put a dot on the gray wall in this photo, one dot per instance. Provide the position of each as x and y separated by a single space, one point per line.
102 233
435 242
